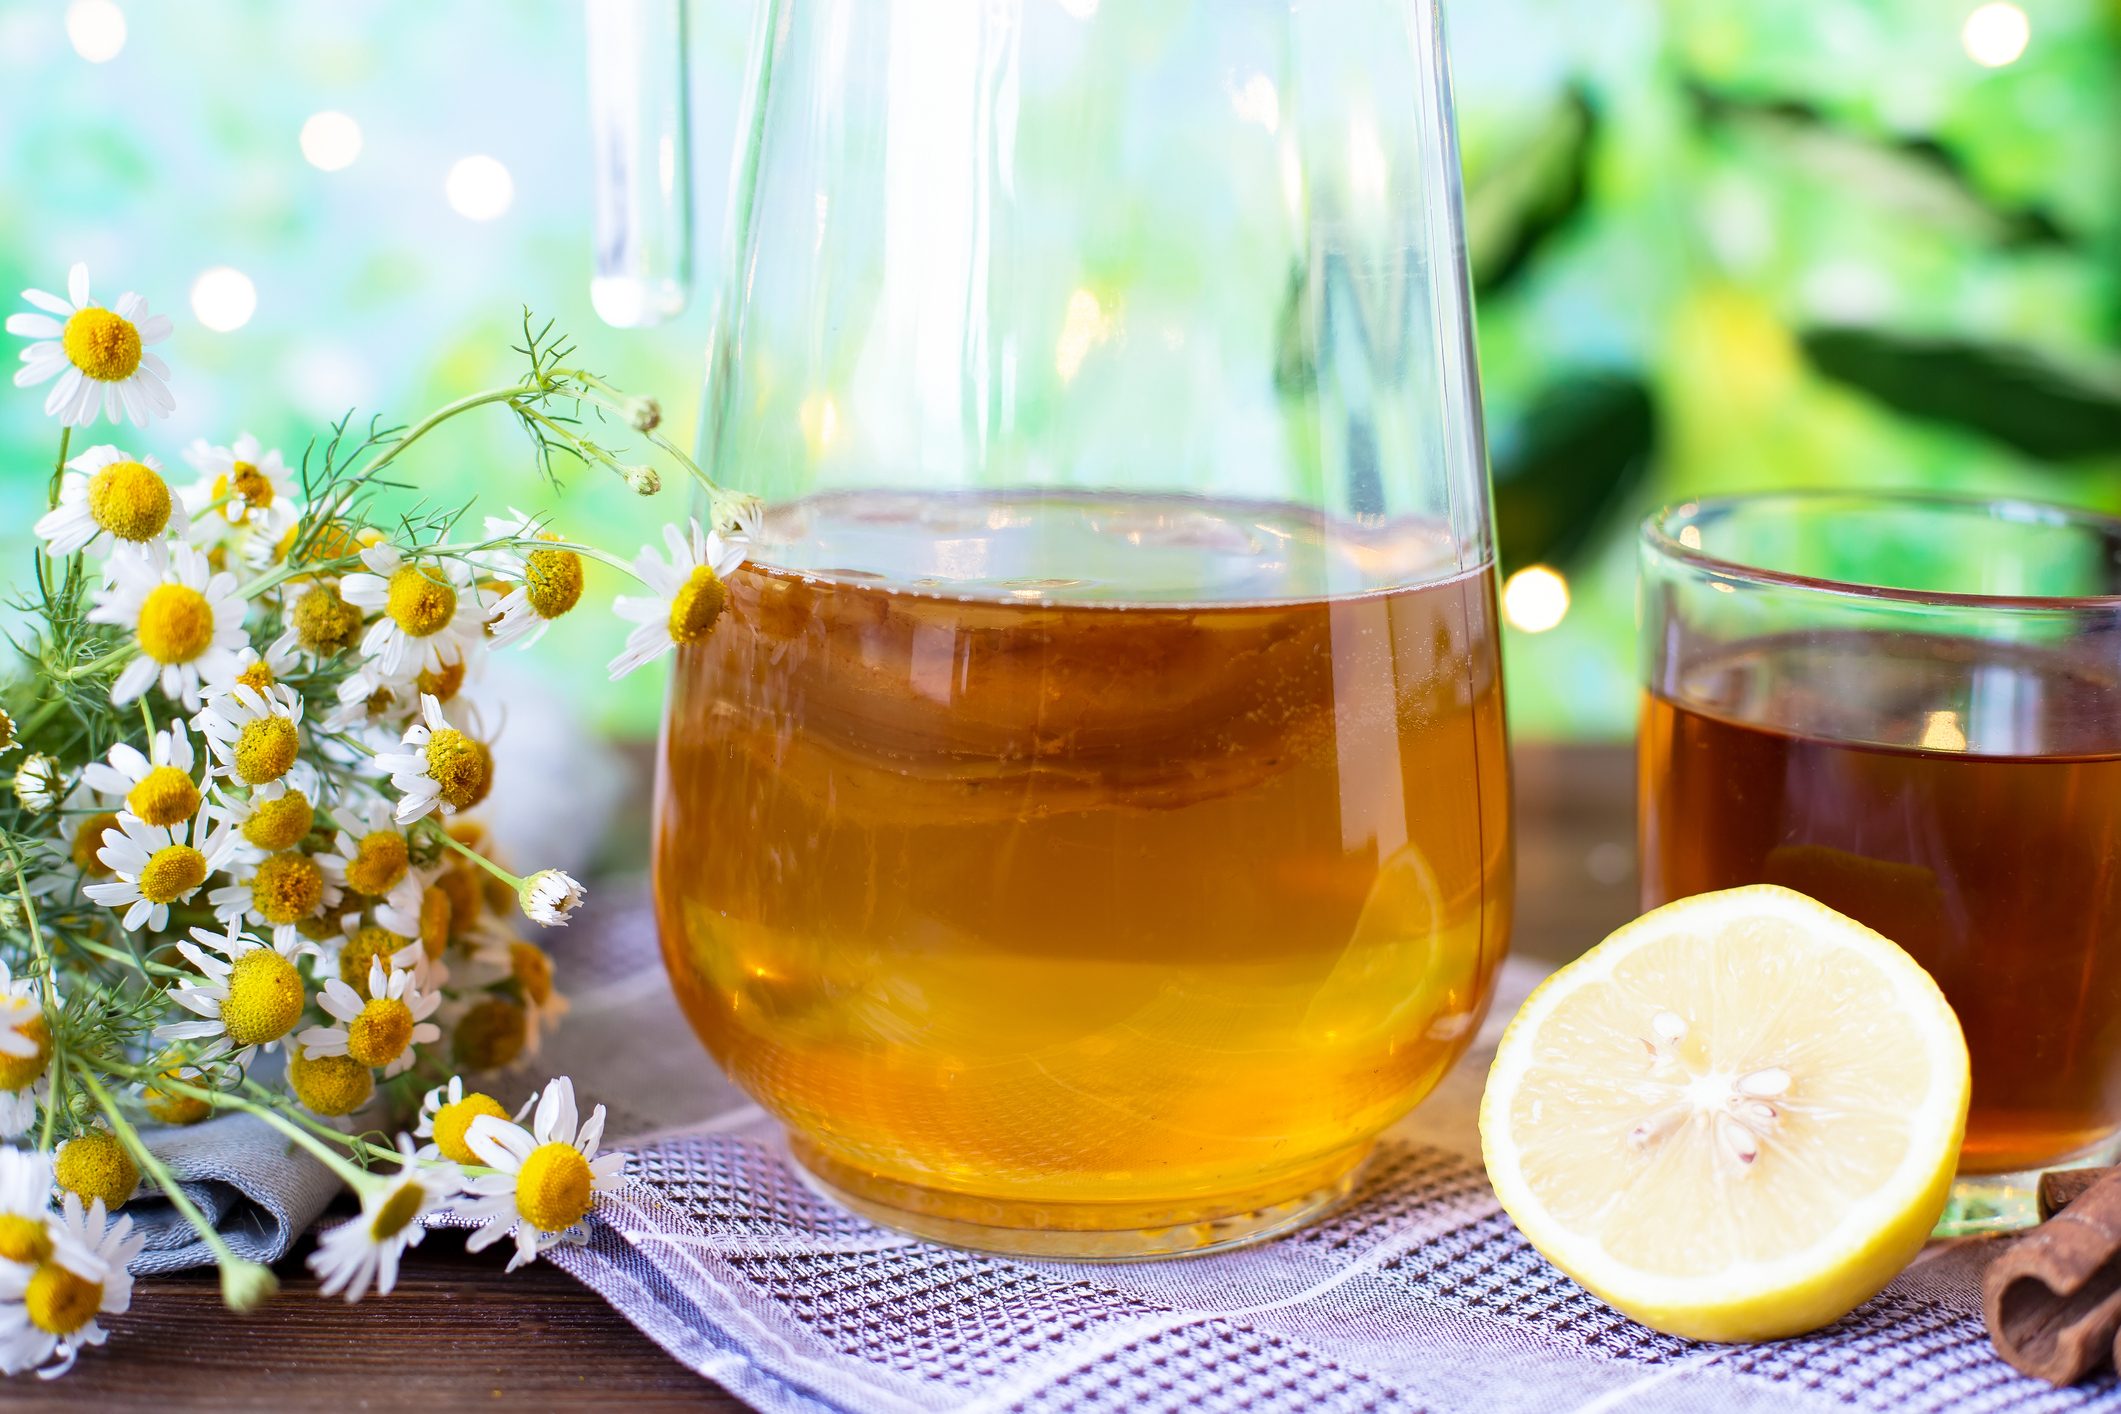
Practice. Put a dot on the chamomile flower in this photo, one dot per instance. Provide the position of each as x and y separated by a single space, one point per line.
272 817
547 1176
244 484
98 355
442 769
374 859
446 1113
153 868
428 615
688 596
248 995
254 734
320 623
550 897
187 621
158 787
431 921
39 782
380 1030
253 670
25 1205
25 1052
547 580
393 1211
531 969
8 740
110 498
282 891
48 1311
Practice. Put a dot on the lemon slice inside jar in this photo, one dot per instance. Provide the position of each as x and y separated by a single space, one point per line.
1737 1118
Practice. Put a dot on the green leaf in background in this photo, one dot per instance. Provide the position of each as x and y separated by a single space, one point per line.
1581 451
1916 176
1515 206
2008 394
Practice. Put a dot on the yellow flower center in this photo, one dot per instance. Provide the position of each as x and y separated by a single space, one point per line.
465 899
169 1107
95 1165
533 969
698 603
378 864
257 677
552 581
364 947
101 344
18 1072
176 623
172 872
443 685
552 1187
453 1125
165 796
252 485
380 1034
461 765
7 730
88 842
266 749
280 823
58 1302
24 1239
435 913
490 1035
325 623
264 998
420 603
288 887
330 1085
129 500
398 1209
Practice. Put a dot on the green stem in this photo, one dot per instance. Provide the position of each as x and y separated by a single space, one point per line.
513 881
155 1169
51 998
337 1162
433 420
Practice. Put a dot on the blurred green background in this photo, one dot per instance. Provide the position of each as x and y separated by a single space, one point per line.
1719 246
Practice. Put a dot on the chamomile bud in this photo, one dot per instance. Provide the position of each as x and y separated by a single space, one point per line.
550 896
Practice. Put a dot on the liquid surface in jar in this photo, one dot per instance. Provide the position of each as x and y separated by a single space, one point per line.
1086 850
1975 820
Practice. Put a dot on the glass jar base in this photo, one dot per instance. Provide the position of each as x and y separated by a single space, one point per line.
1085 1232
2006 1202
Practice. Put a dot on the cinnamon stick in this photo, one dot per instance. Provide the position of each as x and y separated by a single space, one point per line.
2061 1187
2053 1299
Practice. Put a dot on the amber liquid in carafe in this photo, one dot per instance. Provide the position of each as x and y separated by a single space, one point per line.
1983 836
1051 889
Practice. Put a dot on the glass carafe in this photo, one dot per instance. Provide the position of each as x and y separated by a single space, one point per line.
1087 826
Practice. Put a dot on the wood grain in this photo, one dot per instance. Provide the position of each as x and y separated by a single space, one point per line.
459 1333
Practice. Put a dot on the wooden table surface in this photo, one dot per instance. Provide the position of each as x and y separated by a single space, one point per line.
457 1332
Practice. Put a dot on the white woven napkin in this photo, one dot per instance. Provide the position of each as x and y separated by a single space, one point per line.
1418 1294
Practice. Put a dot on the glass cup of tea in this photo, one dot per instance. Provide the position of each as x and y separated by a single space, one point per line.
1087 825
1909 708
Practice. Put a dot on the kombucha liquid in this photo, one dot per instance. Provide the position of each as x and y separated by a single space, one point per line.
1166 881
1984 837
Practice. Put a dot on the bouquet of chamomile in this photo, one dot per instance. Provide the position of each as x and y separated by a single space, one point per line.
241 850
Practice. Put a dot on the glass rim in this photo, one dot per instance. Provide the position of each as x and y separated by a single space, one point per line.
1660 532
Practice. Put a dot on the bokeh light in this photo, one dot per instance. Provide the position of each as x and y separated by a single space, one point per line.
330 141
223 298
479 187
1535 599
1996 35
96 29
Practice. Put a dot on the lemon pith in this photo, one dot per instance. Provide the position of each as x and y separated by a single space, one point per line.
1735 1119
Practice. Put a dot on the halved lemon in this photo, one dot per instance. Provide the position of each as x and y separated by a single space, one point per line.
1734 1119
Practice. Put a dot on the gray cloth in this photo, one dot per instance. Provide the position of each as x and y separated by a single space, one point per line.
260 1190
1417 1295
